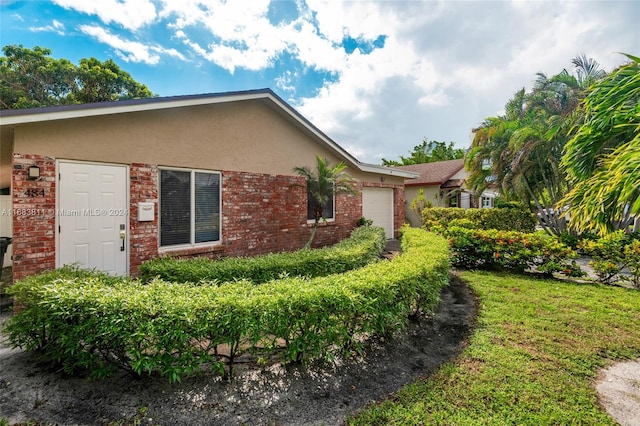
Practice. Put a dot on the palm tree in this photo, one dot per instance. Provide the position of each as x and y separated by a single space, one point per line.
322 185
521 151
603 157
588 70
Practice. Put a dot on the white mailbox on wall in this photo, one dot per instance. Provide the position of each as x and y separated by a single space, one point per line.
146 212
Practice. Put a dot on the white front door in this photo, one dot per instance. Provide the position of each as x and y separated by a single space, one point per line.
93 216
377 205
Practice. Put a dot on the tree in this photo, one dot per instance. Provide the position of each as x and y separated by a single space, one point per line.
603 157
105 81
321 186
588 70
31 78
419 203
428 152
521 151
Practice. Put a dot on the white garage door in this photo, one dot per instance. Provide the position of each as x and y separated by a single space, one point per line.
377 205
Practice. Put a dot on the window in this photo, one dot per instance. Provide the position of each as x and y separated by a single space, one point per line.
453 200
487 202
189 207
327 208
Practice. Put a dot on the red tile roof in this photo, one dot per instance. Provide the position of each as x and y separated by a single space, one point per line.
435 173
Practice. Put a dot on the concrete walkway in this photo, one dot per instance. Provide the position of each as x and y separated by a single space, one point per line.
619 392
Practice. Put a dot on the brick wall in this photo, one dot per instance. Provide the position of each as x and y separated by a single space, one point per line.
261 214
34 207
348 209
398 209
268 213
143 236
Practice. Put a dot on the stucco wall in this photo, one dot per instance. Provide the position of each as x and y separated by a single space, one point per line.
238 136
431 193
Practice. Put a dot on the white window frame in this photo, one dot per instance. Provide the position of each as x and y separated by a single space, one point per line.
192 207
333 212
486 202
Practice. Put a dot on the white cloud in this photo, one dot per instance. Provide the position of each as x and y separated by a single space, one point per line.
314 50
131 14
243 36
129 51
356 98
169 52
286 81
55 27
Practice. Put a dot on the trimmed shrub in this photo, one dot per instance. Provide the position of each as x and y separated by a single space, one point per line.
510 250
438 219
507 219
92 322
363 246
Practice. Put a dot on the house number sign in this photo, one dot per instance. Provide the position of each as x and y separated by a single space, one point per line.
34 192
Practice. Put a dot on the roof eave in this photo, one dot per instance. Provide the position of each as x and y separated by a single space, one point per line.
423 183
34 115
389 171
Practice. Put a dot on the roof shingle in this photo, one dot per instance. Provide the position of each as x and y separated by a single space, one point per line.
435 173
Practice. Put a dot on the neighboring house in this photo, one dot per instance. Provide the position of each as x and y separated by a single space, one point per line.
443 183
110 185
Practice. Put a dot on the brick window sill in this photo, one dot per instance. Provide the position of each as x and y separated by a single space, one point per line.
322 224
191 251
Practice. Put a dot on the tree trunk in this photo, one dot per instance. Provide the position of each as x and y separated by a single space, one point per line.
313 234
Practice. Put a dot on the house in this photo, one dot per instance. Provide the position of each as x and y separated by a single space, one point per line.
443 183
110 185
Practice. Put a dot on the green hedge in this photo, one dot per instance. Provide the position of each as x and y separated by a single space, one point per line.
509 250
92 322
363 246
438 219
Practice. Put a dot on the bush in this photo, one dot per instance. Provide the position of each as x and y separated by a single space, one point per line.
632 256
507 219
92 322
438 219
363 246
510 250
501 203
611 254
363 221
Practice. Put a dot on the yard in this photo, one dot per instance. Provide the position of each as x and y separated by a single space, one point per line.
533 358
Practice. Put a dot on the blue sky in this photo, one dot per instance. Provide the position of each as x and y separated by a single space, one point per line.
376 76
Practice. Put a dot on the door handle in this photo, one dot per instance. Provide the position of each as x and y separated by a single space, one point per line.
123 238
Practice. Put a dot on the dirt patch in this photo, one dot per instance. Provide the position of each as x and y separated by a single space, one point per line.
275 395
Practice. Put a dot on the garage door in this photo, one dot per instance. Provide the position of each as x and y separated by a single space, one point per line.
377 205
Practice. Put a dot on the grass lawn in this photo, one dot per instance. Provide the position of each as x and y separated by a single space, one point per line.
532 359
